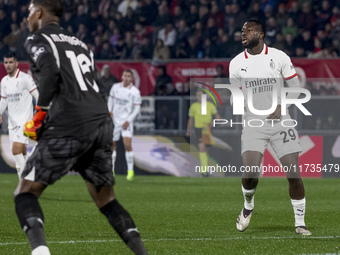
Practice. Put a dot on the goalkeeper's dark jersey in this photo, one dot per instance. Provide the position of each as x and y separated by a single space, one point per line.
68 84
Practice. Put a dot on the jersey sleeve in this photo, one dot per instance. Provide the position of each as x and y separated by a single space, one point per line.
29 83
137 99
287 68
44 66
235 79
3 90
110 100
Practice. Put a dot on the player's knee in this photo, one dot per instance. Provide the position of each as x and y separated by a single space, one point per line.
128 147
16 150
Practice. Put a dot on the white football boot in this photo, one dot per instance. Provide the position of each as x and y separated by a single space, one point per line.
242 221
302 231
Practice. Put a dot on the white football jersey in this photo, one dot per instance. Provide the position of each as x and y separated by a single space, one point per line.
122 101
261 74
17 90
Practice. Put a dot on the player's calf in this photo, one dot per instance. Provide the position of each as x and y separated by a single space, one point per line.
31 219
122 222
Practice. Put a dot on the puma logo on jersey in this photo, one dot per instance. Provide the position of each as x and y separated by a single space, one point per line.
244 69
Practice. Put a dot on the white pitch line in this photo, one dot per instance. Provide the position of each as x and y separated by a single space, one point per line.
183 239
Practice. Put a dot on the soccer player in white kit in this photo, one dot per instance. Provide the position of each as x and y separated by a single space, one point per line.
262 69
17 89
124 105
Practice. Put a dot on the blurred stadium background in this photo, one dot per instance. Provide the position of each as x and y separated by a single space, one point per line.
168 44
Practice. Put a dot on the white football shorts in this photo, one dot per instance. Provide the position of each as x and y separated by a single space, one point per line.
284 140
118 130
16 134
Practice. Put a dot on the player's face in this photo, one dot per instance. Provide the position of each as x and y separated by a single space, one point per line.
11 66
127 78
33 17
250 35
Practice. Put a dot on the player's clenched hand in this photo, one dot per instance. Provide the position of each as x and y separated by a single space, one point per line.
126 125
32 128
276 114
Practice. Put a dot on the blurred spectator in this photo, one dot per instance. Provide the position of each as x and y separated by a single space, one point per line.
294 11
279 42
118 49
328 52
271 31
129 21
216 14
183 31
232 28
178 15
265 4
140 33
300 52
193 15
223 47
203 14
323 15
3 49
209 49
289 47
193 48
145 51
167 35
21 53
148 12
125 4
163 17
240 17
81 17
306 41
97 46
307 17
162 81
13 38
82 33
220 77
227 15
182 49
161 51
290 28
5 23
281 15
211 30
115 36
197 31
236 45
129 47
256 13
107 79
106 51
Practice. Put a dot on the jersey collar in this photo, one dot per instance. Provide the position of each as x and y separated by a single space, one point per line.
15 76
263 52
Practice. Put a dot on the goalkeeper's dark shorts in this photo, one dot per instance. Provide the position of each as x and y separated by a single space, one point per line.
89 155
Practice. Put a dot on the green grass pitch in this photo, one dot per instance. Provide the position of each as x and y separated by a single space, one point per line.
179 216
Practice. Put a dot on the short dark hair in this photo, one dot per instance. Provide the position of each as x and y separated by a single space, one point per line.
259 24
128 71
54 7
11 55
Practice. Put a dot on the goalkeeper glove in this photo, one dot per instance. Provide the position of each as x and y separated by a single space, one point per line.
33 128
